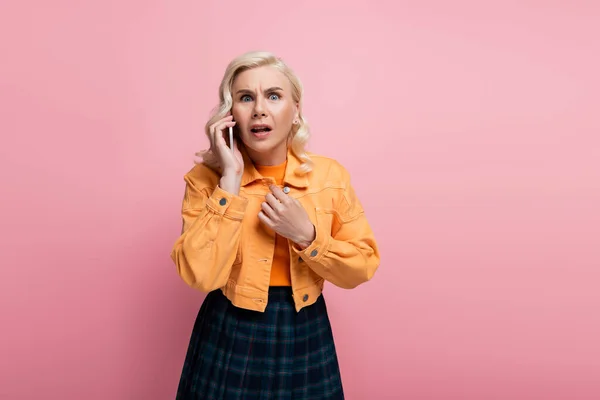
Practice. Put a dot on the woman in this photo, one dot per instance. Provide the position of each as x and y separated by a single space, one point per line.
264 224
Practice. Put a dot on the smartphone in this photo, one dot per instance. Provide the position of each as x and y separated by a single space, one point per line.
231 139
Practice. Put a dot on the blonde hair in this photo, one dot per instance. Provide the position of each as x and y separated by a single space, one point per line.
299 134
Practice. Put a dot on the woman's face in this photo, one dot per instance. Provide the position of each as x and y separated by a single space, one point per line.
265 111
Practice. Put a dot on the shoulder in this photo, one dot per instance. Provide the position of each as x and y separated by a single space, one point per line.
329 173
202 177
328 168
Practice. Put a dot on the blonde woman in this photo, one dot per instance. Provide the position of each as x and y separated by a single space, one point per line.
265 224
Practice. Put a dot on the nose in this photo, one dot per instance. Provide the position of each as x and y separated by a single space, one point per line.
259 108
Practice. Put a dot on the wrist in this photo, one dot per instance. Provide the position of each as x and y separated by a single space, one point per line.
231 173
230 184
307 237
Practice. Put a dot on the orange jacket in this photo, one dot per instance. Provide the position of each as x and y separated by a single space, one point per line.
224 245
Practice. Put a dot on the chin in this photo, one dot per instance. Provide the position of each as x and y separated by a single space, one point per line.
260 147
263 145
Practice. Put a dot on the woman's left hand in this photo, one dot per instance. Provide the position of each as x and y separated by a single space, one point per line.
286 216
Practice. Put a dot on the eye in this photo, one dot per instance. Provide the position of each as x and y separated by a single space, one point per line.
274 97
246 98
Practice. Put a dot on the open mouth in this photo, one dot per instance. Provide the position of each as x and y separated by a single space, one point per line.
260 130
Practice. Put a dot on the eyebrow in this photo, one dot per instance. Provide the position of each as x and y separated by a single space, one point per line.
271 89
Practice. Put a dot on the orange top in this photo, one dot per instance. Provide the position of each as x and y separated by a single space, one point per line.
280 270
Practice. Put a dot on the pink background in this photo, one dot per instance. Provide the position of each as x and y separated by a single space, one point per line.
472 133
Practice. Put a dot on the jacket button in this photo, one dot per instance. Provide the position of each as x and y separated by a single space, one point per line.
305 298
223 201
314 253
286 190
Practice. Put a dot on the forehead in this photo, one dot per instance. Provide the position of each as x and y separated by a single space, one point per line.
261 78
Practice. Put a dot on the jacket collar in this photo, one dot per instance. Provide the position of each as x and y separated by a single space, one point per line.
250 173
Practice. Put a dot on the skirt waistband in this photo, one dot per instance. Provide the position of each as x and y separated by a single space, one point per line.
280 293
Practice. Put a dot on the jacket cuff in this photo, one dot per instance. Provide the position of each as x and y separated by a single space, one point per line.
318 248
227 204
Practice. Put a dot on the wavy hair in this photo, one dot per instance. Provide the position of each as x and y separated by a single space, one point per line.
299 134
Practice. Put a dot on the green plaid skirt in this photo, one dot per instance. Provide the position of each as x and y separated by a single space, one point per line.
247 355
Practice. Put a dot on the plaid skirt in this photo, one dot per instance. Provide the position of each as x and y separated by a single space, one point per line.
247 355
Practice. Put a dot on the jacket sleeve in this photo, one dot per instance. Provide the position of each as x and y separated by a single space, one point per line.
211 231
347 255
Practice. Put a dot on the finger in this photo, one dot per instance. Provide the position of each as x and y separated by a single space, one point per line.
273 202
221 141
213 129
224 125
220 130
265 220
278 193
268 210
211 135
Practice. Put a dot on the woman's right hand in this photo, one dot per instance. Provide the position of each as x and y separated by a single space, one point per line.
231 163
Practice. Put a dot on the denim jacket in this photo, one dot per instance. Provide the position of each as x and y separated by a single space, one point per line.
223 244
